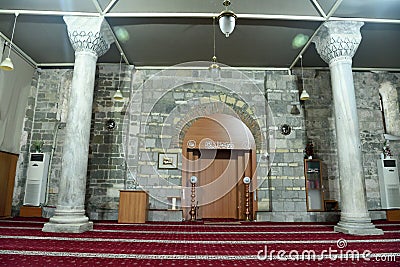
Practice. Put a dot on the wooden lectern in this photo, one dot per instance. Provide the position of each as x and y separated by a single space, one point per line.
133 206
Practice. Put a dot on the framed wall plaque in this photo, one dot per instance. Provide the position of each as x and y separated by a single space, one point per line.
167 160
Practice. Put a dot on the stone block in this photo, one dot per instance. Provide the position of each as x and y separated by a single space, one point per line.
287 183
300 206
263 206
165 215
263 216
289 206
274 96
270 84
289 194
299 182
150 142
277 206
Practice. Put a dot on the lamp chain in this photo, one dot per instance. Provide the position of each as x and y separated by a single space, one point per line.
12 35
302 74
214 57
119 74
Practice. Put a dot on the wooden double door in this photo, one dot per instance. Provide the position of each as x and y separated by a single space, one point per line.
220 191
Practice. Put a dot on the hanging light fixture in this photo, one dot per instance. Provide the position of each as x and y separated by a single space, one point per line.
214 67
294 110
227 19
7 63
304 95
118 95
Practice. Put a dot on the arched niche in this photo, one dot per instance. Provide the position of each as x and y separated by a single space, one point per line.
220 150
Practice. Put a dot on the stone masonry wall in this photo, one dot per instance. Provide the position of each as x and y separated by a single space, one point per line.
151 127
155 103
23 159
320 128
168 104
287 183
44 121
106 171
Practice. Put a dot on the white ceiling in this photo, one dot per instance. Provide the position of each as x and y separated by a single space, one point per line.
168 32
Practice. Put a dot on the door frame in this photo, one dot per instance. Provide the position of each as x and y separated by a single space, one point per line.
224 131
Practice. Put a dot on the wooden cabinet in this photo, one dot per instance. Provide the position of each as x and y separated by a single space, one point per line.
314 189
393 215
133 206
8 164
28 211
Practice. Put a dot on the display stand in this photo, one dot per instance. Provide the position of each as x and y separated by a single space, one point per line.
314 189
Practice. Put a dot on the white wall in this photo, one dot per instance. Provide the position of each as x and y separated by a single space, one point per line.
14 91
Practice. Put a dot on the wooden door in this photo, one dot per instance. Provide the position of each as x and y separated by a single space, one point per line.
220 192
218 183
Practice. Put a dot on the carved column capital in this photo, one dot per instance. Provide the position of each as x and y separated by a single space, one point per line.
338 40
91 34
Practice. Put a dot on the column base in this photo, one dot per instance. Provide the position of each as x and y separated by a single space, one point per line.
357 228
68 221
68 228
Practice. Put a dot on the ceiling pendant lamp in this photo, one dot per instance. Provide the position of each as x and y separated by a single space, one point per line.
304 95
227 19
118 95
214 67
7 63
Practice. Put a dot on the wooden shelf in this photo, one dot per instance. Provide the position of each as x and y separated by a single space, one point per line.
314 189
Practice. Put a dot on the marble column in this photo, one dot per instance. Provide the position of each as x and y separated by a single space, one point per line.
336 43
90 37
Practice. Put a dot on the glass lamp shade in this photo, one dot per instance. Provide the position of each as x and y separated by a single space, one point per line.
193 179
294 110
304 95
227 21
246 180
7 64
118 95
215 70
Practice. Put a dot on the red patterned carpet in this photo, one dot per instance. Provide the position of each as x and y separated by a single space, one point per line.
22 243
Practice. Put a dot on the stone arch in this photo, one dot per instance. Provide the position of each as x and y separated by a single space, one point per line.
178 108
211 106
